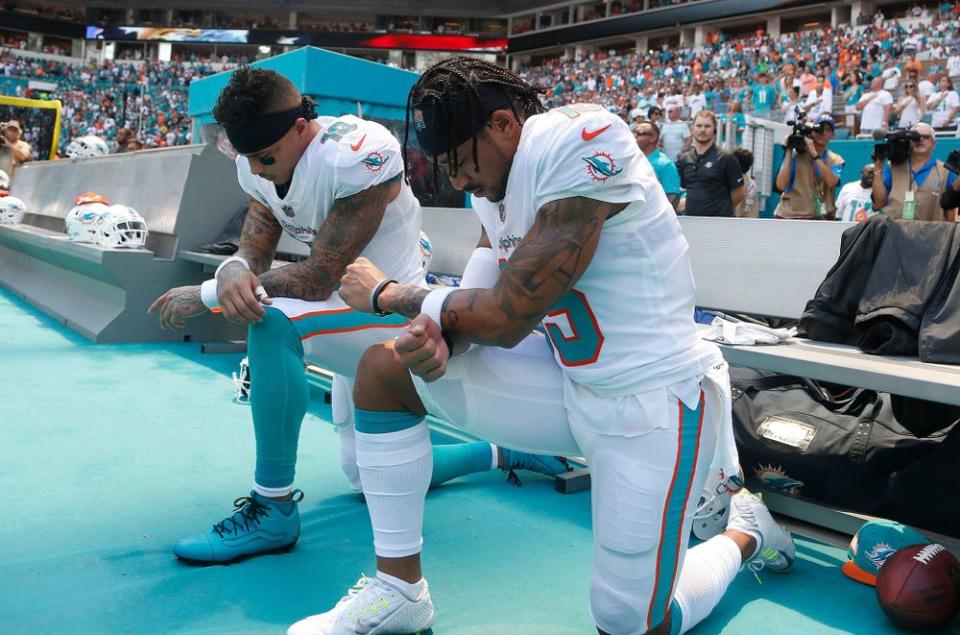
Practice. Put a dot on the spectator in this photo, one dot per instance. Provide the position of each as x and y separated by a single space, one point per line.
913 189
853 203
875 107
764 97
697 101
675 134
711 176
735 114
910 108
648 138
891 76
654 114
808 179
747 208
789 105
943 104
19 151
928 86
953 65
819 100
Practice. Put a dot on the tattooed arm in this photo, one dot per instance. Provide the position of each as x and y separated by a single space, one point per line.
552 257
259 238
258 243
347 230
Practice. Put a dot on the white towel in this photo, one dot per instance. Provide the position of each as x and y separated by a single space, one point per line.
744 333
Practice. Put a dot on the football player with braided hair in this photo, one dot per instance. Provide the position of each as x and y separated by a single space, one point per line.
580 238
335 184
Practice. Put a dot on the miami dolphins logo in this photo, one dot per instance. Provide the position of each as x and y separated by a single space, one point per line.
288 211
601 166
879 553
374 162
87 217
776 478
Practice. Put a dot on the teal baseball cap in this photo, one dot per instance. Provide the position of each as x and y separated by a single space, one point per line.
873 543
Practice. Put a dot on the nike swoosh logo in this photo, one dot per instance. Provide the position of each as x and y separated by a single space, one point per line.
356 146
590 136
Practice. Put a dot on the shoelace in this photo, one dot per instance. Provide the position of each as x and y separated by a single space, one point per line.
246 510
514 479
358 588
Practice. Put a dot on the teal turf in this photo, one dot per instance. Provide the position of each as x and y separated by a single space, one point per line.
111 453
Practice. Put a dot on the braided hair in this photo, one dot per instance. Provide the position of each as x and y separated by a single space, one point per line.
443 82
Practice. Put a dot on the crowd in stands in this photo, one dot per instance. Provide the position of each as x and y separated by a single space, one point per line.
149 99
756 74
58 11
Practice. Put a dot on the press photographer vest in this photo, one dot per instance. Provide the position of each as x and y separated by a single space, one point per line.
926 197
801 199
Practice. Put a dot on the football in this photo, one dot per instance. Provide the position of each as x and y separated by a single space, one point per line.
918 587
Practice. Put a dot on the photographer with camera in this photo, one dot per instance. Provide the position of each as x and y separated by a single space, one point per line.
908 182
810 173
950 199
18 151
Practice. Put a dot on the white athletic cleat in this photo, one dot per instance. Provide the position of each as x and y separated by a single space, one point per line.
713 510
776 550
372 607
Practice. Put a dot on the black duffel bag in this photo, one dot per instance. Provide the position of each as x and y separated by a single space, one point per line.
846 446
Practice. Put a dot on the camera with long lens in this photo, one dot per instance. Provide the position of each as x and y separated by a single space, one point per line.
894 146
803 129
953 161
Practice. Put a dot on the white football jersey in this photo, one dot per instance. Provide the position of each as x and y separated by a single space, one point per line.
627 326
347 156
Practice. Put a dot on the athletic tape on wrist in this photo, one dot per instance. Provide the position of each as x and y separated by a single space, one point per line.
433 303
208 294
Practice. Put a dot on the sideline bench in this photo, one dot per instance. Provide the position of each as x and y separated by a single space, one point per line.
772 268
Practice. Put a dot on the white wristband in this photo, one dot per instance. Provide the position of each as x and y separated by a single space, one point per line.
433 304
208 294
226 262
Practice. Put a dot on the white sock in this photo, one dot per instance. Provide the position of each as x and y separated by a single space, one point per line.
348 456
495 461
395 470
273 492
411 591
708 570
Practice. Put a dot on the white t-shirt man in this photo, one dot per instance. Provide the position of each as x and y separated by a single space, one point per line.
891 77
672 136
942 110
821 104
953 65
854 203
871 117
696 103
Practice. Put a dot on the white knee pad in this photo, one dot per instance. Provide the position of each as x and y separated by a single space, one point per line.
395 470
341 405
627 513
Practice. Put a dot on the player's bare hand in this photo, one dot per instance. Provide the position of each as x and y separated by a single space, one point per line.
176 305
241 295
359 281
421 349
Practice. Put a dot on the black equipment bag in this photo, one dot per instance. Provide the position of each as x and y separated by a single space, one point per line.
849 447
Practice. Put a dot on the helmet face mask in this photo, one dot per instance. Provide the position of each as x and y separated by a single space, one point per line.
121 226
241 382
12 210
426 251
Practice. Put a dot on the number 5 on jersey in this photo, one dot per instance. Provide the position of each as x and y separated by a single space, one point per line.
573 330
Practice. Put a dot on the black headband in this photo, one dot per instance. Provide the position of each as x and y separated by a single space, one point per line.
432 126
256 133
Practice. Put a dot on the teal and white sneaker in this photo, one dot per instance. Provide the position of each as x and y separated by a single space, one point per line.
372 607
257 526
539 463
775 548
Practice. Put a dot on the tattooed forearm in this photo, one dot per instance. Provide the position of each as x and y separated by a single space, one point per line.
349 227
259 238
402 299
552 257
